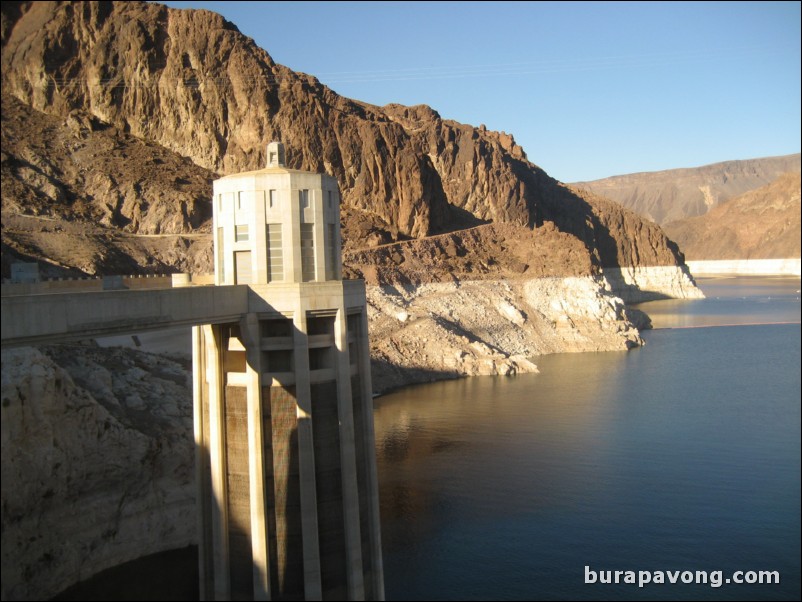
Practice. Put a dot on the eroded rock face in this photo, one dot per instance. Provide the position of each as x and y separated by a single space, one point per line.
639 284
613 235
191 83
447 330
97 464
85 198
79 169
760 224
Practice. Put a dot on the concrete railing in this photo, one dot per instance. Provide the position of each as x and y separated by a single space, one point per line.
54 318
33 319
130 282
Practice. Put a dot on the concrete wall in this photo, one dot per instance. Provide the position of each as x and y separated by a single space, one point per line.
33 319
248 202
132 282
767 267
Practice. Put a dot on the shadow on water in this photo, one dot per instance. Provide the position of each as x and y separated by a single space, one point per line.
170 575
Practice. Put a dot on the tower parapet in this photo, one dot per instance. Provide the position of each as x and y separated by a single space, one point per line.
276 225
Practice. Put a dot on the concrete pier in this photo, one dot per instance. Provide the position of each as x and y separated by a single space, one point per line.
288 475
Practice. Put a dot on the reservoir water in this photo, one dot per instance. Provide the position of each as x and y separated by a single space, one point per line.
681 455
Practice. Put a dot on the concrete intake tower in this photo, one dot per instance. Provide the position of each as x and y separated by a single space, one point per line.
286 471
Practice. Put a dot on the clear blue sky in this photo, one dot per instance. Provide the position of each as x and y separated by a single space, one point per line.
588 89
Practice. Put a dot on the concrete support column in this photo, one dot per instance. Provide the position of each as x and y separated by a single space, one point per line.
306 459
350 489
250 336
215 378
201 457
363 345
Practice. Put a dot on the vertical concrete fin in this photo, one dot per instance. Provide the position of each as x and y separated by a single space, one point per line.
250 336
213 339
306 455
353 550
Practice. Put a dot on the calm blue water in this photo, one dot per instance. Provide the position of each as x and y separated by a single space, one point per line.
682 455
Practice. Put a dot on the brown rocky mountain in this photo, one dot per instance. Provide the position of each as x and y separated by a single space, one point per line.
85 198
116 117
127 77
760 224
674 194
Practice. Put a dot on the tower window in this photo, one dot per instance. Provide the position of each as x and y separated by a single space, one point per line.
243 267
307 252
331 259
275 253
241 233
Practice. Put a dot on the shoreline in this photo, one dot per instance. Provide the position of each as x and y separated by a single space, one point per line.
730 325
437 331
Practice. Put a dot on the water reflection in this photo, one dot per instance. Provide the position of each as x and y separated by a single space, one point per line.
429 430
681 455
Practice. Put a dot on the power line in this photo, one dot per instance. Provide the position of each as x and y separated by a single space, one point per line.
515 69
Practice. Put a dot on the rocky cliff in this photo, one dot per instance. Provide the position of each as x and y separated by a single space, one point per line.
97 464
190 83
760 224
674 194
82 197
450 329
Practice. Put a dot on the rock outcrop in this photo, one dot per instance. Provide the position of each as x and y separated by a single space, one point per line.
754 267
639 284
95 200
84 198
97 464
488 252
189 82
674 194
496 251
446 330
760 224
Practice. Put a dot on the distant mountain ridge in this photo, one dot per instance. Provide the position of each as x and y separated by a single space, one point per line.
674 194
759 224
